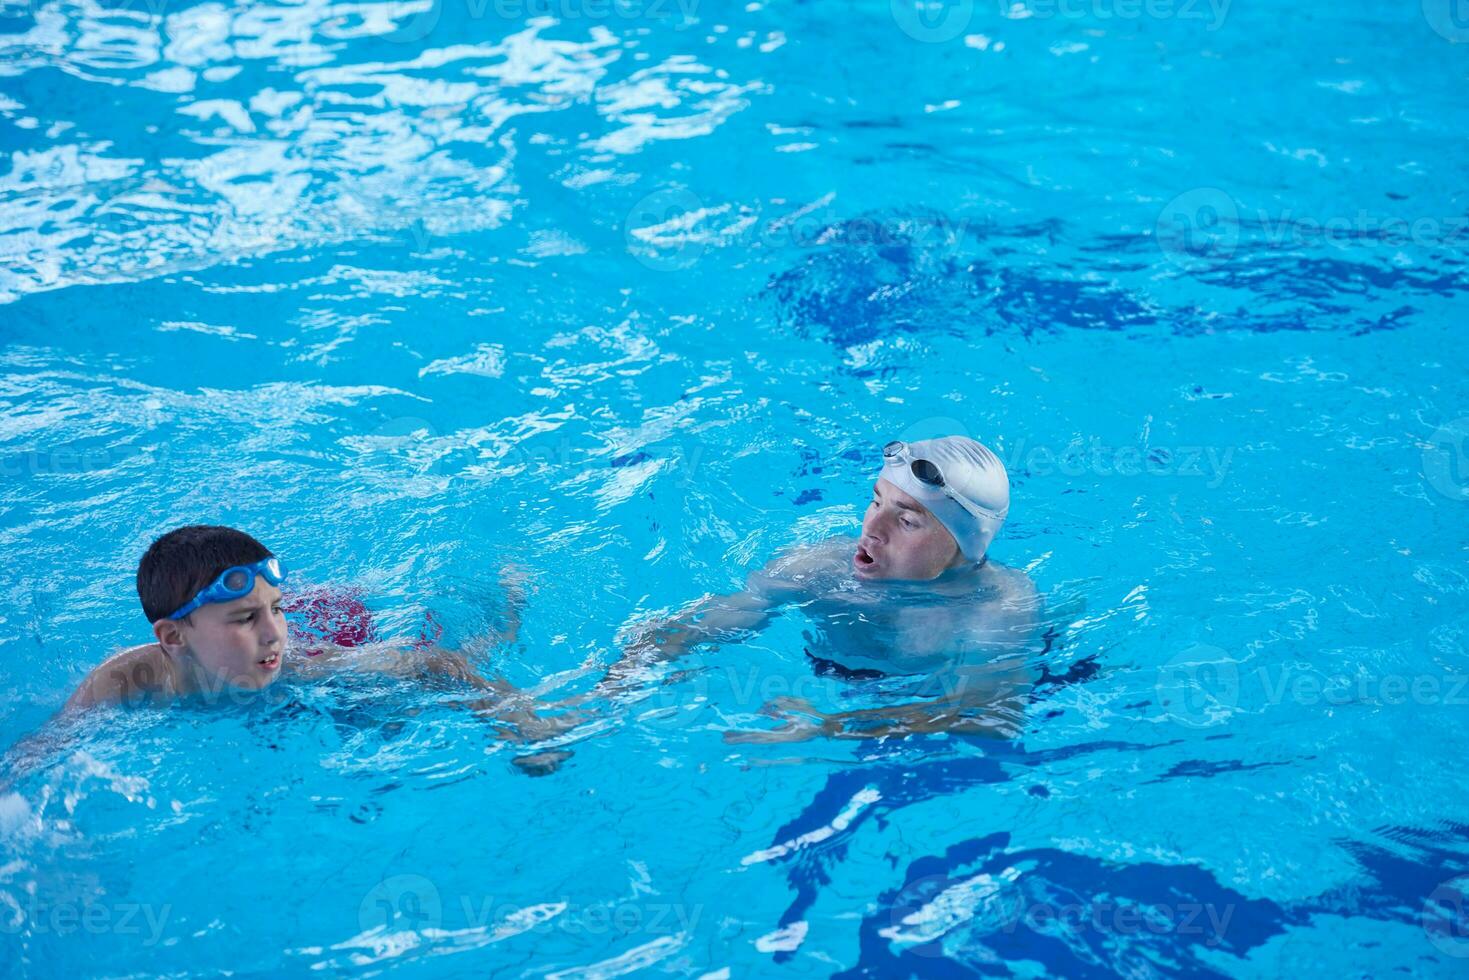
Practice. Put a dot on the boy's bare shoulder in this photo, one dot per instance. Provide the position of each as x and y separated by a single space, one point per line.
140 670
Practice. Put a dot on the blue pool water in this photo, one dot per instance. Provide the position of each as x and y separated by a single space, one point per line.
626 294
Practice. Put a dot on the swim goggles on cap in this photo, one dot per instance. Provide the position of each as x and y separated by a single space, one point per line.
927 472
234 583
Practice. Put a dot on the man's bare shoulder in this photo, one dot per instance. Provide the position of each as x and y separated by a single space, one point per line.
1010 607
1011 586
138 671
807 567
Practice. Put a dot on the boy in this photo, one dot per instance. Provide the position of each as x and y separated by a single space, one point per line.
915 595
213 596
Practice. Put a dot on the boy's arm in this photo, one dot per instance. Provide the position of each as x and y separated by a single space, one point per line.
514 713
430 663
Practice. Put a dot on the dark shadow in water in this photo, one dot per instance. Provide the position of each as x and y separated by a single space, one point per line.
1403 871
899 784
1074 915
1064 911
877 275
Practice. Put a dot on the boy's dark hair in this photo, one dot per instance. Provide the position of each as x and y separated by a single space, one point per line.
183 561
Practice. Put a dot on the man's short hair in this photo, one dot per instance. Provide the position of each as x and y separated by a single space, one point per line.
185 560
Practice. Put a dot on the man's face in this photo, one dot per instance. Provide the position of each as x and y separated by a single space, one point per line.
240 643
901 539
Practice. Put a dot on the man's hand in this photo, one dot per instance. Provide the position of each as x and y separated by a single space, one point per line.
516 715
802 722
541 763
952 714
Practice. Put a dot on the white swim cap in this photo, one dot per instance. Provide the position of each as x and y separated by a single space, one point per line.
961 482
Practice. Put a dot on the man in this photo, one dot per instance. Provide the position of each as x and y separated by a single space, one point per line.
913 605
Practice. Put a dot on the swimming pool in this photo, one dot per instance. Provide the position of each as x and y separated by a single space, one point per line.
627 294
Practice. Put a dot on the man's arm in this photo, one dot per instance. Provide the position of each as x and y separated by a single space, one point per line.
997 711
713 620
994 710
986 699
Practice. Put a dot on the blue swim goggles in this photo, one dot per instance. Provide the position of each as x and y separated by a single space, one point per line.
234 583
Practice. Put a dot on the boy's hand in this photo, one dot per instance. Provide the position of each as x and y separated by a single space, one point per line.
660 639
518 585
517 582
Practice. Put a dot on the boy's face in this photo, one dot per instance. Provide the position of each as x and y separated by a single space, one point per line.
901 539
243 642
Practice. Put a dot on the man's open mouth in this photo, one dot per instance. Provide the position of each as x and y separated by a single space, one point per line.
863 559
270 662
